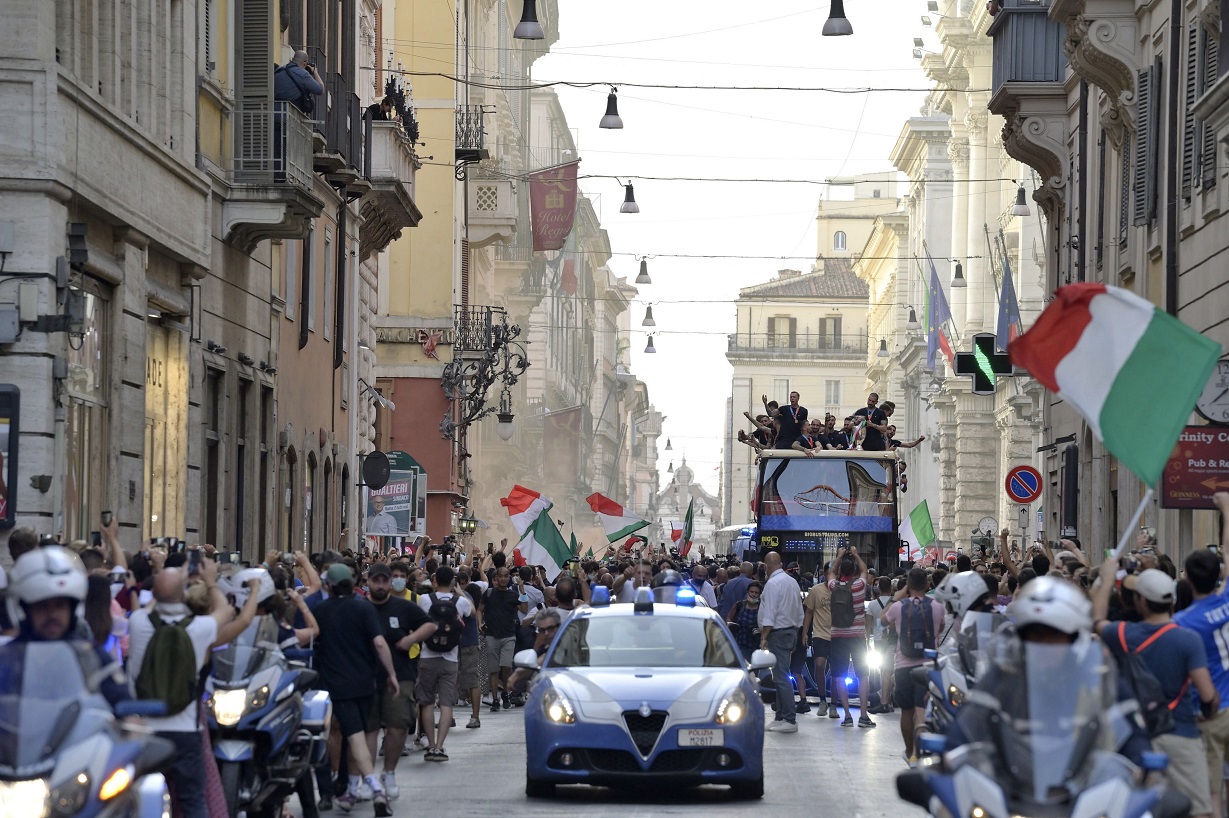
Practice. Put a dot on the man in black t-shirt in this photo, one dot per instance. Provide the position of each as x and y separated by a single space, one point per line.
349 653
807 441
404 624
501 609
791 420
876 423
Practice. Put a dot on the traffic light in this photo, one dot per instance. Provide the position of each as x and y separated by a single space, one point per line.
983 364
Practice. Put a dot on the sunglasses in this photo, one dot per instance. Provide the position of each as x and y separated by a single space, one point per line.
548 629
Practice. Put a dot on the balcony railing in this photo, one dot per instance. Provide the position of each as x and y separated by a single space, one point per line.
513 252
475 329
1028 44
273 145
343 129
824 346
471 134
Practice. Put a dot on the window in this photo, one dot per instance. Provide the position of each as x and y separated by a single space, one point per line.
293 250
289 486
87 392
262 478
213 460
1209 54
830 333
782 332
327 283
309 520
307 321
780 391
209 29
838 240
241 465
832 393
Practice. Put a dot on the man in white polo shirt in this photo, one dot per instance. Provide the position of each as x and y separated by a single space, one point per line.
780 618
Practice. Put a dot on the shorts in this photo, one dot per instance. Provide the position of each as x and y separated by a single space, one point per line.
1215 733
908 694
351 715
1185 773
393 712
848 651
436 677
499 651
820 648
467 671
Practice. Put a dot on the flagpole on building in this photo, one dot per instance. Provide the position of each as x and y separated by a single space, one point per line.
1130 530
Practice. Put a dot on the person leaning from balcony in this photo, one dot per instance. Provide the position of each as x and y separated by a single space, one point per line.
298 82
381 111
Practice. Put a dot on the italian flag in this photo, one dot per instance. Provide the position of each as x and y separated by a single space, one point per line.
688 528
916 532
524 505
616 522
542 544
1133 371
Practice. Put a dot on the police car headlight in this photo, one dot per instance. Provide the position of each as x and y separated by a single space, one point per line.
557 707
733 707
228 706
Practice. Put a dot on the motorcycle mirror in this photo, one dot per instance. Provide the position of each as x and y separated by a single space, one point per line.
912 786
143 709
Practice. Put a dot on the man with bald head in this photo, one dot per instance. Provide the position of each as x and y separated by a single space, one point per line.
182 728
735 590
298 82
780 621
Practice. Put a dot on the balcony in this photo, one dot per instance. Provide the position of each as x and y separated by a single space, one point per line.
492 210
471 134
389 207
270 175
758 346
477 330
1029 69
1101 40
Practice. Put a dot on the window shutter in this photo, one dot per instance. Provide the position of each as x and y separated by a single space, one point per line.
464 272
255 50
1124 204
1190 132
1211 59
1142 181
772 332
207 37
1104 182
793 333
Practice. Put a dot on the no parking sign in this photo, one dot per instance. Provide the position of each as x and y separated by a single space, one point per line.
1023 484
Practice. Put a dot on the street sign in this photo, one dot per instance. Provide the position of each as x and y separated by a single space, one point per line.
1197 468
1023 484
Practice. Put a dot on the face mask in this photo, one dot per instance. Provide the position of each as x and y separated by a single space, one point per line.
398 584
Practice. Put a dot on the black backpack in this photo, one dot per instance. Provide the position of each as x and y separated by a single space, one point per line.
1154 705
448 624
842 605
917 627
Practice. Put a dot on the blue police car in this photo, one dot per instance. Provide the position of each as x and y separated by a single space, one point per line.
652 692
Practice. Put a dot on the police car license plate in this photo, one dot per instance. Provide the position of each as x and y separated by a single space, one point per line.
701 738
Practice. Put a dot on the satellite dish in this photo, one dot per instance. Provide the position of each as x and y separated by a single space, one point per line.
376 470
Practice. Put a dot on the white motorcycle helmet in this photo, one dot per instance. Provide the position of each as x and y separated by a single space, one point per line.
1054 603
961 591
52 572
237 585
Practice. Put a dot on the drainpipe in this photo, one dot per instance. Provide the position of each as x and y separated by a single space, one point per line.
1171 159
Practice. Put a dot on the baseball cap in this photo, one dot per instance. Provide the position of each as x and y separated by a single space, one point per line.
793 566
1155 586
339 572
378 569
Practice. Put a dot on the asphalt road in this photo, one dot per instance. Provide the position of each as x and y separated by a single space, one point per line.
823 769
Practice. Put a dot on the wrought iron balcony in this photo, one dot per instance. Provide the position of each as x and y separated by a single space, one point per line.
762 345
270 174
471 134
485 352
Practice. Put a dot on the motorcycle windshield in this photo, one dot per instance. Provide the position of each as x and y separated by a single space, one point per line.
252 650
1052 722
975 642
42 693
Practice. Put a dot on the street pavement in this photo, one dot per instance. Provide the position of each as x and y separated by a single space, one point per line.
822 769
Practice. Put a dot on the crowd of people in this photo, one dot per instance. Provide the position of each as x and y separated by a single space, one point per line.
792 427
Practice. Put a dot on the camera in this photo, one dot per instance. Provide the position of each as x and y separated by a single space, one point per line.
288 560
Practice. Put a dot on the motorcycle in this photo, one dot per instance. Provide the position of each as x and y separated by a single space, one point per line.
268 729
1042 728
63 754
956 666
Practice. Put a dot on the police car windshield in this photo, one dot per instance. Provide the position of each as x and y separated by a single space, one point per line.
644 641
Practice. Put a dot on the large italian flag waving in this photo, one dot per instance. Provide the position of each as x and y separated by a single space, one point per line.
1133 371
524 505
541 543
616 522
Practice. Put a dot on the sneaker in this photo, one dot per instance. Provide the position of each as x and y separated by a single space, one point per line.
363 793
517 700
420 742
865 721
325 804
473 723
346 802
833 713
507 701
388 780
910 760
803 707
440 755
380 801
773 726
434 755
848 722
786 727
495 706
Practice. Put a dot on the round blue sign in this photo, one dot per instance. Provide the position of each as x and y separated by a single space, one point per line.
1023 484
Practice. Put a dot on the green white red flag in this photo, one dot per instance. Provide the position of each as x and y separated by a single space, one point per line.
524 505
616 521
1133 371
689 528
542 544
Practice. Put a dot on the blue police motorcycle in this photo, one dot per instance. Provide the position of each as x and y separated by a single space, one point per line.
63 754
269 730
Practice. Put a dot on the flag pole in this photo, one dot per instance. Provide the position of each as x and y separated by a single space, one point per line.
1130 529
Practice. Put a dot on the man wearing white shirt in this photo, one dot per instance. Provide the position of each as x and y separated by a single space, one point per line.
437 670
780 617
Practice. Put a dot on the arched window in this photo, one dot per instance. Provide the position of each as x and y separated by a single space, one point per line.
838 240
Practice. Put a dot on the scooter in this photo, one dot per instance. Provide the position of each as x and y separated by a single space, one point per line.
1037 737
268 729
64 753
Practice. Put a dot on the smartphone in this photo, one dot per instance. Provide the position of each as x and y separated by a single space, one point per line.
96 539
106 518
194 562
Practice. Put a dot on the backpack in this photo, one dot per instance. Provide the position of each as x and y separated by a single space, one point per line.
306 102
917 627
168 669
1154 706
448 624
842 605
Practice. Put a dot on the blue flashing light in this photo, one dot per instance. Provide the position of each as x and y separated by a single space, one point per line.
599 596
685 597
848 681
